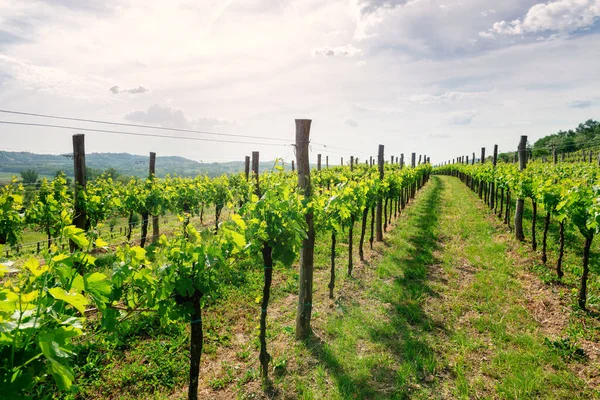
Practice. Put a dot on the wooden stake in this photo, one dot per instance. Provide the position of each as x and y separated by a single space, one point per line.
492 186
247 167
308 245
318 162
521 202
379 215
413 160
152 172
80 218
255 158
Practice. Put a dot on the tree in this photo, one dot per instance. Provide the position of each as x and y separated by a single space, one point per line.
29 176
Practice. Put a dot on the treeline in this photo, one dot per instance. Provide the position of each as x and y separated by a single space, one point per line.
585 135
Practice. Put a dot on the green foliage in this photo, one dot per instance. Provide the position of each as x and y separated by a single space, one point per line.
11 219
30 176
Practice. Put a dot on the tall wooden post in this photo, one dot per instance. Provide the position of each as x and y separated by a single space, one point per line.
351 163
379 214
318 162
293 166
493 185
80 218
413 159
401 160
341 160
473 160
247 167
419 159
483 155
308 245
326 161
255 161
392 160
152 172
521 202
467 160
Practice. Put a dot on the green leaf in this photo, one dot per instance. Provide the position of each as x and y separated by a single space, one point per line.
74 299
63 375
98 286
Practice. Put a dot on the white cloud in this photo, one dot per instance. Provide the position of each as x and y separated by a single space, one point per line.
135 90
562 15
56 81
438 136
487 35
447 97
171 117
340 51
488 12
351 122
580 104
463 118
378 110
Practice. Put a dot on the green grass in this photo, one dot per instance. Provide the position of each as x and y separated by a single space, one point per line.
437 311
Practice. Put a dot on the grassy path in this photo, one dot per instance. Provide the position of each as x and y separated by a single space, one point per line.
442 310
444 316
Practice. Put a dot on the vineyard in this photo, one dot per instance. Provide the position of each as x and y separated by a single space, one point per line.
250 260
567 194
59 297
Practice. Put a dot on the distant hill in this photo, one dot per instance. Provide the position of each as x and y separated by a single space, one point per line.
13 163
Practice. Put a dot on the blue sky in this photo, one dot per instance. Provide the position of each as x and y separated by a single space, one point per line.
437 77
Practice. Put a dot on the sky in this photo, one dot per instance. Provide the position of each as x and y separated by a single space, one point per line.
442 78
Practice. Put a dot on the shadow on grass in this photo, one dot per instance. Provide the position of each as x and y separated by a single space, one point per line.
401 335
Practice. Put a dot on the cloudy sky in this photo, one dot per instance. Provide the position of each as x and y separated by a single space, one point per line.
437 77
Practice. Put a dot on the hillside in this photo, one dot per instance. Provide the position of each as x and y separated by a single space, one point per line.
13 163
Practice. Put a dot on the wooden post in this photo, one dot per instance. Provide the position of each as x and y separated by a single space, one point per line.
413 160
247 167
308 245
483 155
419 160
293 166
152 172
473 160
590 154
371 160
351 163
326 161
521 202
401 160
341 160
379 214
255 158
392 160
318 162
493 185
467 160
79 219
